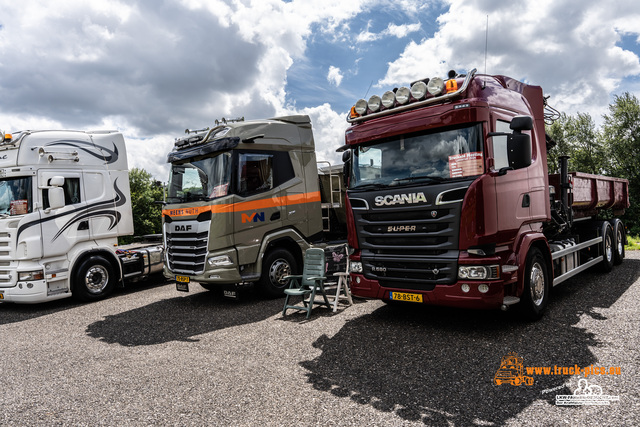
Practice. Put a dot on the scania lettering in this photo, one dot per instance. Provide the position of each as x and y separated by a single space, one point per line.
64 201
245 199
449 200
401 199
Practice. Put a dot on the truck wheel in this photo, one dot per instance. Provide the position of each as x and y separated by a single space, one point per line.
536 286
94 279
619 240
608 248
276 265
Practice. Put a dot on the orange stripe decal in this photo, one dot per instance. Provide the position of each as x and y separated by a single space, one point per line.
271 202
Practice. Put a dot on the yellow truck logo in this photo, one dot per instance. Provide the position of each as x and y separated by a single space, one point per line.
511 371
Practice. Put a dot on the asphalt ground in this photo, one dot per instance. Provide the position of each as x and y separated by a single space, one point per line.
150 355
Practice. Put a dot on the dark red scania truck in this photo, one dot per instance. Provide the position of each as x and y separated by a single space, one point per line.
450 202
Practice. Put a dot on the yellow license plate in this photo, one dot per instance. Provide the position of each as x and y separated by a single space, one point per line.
403 296
182 279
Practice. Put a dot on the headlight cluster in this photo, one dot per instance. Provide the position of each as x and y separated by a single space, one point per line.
220 261
478 272
355 267
417 91
24 276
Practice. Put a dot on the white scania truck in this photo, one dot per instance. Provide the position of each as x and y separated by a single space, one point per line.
64 200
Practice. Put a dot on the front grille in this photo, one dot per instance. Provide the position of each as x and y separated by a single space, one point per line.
417 274
413 247
187 252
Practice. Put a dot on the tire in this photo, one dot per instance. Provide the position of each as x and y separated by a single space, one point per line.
535 296
94 279
277 264
619 240
608 248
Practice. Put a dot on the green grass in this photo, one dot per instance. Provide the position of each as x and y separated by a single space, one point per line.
633 243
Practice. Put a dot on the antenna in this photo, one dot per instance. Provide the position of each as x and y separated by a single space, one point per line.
486 44
486 49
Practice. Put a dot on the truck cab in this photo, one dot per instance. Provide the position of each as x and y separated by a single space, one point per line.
64 200
243 203
449 199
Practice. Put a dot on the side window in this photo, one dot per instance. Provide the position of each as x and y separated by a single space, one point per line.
255 173
500 157
71 192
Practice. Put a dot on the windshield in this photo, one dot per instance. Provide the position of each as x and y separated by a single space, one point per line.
424 158
15 196
202 179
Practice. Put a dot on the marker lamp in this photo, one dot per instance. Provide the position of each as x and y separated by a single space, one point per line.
478 272
361 106
374 103
402 95
30 275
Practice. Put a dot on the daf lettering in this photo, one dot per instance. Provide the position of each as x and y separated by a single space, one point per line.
183 228
400 199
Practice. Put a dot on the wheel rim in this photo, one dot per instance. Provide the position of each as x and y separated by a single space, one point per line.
608 247
278 270
536 283
96 279
619 240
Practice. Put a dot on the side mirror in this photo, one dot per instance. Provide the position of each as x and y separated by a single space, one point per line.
56 198
346 168
56 192
346 156
519 150
520 123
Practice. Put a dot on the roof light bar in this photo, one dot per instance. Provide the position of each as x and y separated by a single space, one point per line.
422 92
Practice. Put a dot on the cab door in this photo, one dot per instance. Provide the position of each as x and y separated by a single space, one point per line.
64 227
513 198
259 206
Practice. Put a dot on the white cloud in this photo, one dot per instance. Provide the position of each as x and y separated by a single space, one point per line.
392 30
334 76
573 54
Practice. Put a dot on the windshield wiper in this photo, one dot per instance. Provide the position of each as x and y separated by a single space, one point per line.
369 186
419 178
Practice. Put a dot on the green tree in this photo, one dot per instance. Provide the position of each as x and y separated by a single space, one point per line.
621 137
578 138
147 216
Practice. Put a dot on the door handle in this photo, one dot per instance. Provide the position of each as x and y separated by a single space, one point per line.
84 225
275 216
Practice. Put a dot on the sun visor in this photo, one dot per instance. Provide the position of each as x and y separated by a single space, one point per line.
222 144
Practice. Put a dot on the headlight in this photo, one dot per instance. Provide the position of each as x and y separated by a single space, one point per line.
388 99
361 106
356 267
220 261
374 103
30 275
402 95
435 86
419 90
478 272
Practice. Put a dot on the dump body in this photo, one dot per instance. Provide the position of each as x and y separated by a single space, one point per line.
244 202
64 201
449 199
592 193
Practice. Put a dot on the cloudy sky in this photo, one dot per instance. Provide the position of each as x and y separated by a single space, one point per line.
152 68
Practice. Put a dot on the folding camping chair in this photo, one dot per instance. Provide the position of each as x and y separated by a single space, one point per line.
309 284
337 266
